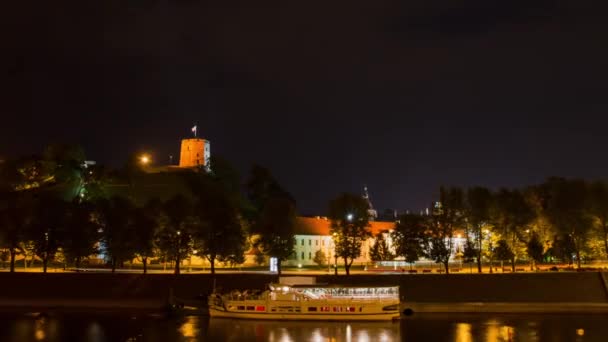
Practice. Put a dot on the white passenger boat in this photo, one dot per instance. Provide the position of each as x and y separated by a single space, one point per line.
310 302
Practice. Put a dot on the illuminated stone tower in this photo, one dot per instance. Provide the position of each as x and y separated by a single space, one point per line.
195 152
373 214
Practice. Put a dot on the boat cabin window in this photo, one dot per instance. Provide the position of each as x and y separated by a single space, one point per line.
251 308
260 308
312 309
240 308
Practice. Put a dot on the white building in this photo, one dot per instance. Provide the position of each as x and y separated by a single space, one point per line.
314 233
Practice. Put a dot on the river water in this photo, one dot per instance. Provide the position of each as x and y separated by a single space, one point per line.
457 328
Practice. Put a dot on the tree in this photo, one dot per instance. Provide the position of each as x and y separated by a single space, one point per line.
145 223
446 217
599 209
471 252
563 248
512 216
81 236
94 183
260 258
568 211
271 213
64 164
410 237
503 251
118 234
320 258
380 251
218 227
226 176
349 222
535 250
477 211
15 218
47 228
275 227
261 186
175 237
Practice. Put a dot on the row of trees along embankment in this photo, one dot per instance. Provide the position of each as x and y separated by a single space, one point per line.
55 207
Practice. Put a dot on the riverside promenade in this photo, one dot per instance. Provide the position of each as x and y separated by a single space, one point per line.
559 292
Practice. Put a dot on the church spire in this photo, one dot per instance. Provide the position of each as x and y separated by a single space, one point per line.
372 213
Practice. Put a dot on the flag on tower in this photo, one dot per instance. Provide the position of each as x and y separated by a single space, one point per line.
194 130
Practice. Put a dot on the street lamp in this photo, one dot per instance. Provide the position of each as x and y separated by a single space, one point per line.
349 217
144 159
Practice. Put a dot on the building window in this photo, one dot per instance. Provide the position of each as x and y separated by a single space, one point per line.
309 256
302 242
302 255
322 242
316 242
309 242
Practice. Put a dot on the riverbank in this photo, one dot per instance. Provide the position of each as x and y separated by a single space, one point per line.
527 293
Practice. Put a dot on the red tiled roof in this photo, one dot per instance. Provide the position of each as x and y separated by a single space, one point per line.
321 226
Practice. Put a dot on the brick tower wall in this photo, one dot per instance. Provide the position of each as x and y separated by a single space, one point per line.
194 152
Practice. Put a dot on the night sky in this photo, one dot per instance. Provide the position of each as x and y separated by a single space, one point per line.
401 95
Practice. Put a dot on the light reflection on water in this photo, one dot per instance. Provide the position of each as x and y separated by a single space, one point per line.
456 328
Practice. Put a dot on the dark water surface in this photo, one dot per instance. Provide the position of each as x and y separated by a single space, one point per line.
456 327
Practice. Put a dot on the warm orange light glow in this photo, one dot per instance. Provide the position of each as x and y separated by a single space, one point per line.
144 159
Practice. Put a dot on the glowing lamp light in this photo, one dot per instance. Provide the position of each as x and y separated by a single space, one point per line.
349 217
299 265
145 159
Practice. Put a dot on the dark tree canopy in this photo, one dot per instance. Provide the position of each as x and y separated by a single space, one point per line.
380 250
568 211
535 248
512 215
445 219
410 237
349 226
271 213
503 251
478 207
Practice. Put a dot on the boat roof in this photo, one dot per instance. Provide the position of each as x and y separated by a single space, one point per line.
348 286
